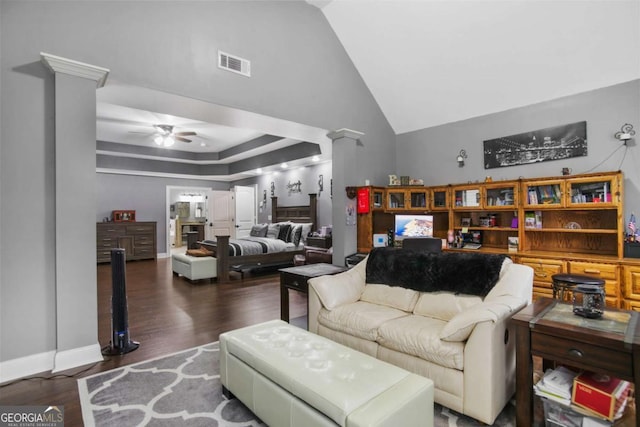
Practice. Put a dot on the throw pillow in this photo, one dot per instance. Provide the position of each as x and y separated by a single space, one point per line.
296 234
273 230
199 252
462 324
258 230
284 232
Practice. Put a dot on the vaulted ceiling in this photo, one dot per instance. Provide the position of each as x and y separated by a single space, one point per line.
426 62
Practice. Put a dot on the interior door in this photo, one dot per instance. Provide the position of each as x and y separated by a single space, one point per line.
245 210
220 214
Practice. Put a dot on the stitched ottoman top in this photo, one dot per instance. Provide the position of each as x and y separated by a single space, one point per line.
332 378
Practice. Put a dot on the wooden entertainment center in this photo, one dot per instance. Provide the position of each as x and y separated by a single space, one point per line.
564 224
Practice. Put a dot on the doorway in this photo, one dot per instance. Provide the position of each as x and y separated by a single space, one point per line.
185 212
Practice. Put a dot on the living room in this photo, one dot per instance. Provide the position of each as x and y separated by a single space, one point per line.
165 46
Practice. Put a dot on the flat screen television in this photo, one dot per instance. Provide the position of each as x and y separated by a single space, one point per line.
413 226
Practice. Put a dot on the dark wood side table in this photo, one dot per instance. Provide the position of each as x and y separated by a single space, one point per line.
296 278
549 329
320 242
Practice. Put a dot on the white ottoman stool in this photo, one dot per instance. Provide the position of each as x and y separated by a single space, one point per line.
194 268
290 377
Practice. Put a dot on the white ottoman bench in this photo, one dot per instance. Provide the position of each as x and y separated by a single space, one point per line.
290 377
194 268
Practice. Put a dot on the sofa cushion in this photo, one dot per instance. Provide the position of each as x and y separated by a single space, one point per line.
444 305
400 298
420 336
360 319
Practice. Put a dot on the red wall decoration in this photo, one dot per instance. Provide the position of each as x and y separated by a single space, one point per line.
363 200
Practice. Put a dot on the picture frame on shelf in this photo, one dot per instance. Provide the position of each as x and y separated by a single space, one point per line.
465 222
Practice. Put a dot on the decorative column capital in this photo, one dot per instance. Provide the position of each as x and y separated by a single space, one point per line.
58 64
345 133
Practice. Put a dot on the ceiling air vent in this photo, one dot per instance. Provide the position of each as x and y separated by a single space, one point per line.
234 64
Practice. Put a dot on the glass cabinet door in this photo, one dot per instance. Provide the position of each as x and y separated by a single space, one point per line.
396 200
588 191
440 198
467 197
500 196
543 194
418 199
377 198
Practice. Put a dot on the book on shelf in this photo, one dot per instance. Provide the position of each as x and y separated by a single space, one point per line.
512 244
529 220
556 385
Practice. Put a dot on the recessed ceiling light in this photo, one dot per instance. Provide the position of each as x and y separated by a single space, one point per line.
259 170
202 144
284 165
276 173
315 158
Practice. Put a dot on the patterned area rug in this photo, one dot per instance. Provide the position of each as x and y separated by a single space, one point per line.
183 389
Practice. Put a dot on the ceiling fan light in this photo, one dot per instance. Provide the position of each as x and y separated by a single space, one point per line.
158 140
169 141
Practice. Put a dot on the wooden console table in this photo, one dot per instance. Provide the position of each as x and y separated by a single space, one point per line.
296 278
549 329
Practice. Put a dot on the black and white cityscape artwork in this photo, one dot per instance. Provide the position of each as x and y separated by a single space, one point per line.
555 143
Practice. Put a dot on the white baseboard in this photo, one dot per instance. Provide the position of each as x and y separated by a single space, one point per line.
163 255
73 358
25 366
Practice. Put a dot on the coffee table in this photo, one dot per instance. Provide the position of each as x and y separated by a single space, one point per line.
549 329
296 278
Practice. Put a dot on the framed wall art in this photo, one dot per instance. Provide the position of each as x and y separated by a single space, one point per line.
554 143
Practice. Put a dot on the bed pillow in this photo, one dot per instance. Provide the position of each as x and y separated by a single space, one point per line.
273 230
284 231
306 229
259 230
296 234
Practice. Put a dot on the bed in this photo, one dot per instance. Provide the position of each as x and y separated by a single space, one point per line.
240 254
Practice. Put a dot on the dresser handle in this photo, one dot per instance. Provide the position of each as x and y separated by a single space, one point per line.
540 273
591 271
575 352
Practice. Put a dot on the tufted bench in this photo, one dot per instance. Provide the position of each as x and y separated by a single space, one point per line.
290 377
194 268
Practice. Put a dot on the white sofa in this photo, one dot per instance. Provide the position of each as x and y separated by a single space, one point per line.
463 343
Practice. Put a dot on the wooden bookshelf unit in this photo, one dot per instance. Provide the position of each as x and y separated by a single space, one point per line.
563 224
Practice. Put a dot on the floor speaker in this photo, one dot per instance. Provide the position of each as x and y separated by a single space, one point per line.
120 340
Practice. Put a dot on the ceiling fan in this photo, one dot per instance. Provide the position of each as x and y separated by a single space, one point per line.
166 137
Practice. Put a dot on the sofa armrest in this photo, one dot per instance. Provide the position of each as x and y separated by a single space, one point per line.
489 359
318 256
462 324
329 292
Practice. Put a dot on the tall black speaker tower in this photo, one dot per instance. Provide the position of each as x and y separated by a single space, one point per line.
120 342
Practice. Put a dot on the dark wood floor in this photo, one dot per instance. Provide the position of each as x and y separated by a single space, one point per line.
166 314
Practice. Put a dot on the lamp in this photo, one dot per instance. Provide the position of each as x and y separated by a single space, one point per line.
461 156
625 133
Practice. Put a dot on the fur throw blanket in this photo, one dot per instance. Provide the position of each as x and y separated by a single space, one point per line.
464 273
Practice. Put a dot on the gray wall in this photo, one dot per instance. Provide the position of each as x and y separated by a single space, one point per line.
300 72
144 194
431 153
308 177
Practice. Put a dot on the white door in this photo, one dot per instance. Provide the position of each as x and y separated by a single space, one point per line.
245 210
220 215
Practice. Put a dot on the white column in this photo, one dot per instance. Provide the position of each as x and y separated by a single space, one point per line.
75 218
344 172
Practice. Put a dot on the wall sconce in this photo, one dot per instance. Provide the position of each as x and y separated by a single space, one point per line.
461 156
625 133
320 183
273 189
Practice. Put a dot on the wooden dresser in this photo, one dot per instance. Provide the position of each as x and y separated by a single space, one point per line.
138 239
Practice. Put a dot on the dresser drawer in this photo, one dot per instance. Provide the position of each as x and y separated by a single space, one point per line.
632 282
585 355
544 269
143 251
144 240
608 272
141 229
